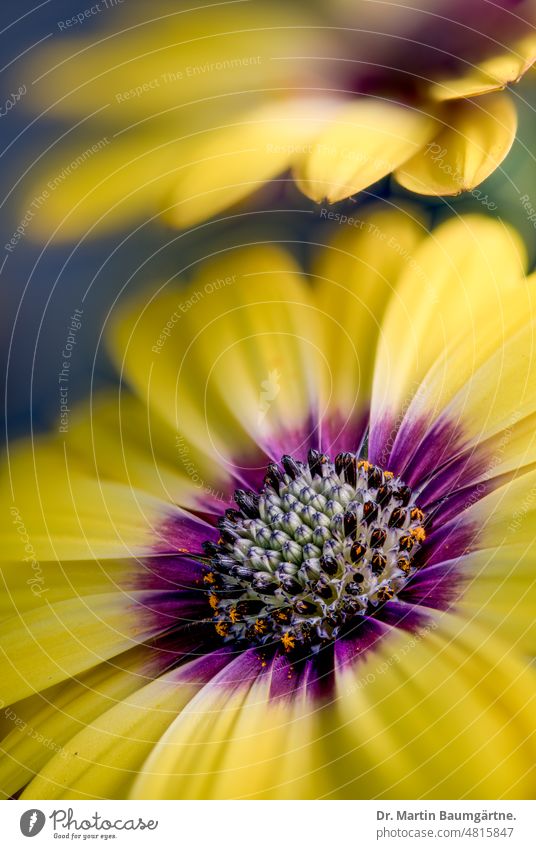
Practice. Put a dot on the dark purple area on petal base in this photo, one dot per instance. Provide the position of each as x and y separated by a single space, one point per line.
169 572
460 500
242 670
403 616
183 626
176 609
296 441
287 678
183 532
358 643
414 448
438 587
203 669
380 439
249 474
448 541
196 667
439 445
182 644
460 473
344 434
293 676
329 434
446 479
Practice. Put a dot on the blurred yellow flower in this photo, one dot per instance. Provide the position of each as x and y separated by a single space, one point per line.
191 111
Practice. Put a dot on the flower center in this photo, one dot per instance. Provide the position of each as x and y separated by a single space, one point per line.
322 544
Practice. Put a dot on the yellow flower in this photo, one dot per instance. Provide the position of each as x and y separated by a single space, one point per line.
190 112
373 631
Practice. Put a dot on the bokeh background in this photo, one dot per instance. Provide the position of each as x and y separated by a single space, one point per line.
42 284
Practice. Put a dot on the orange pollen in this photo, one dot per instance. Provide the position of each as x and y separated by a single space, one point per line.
419 534
416 514
213 601
209 578
234 615
388 475
288 640
260 626
221 629
364 464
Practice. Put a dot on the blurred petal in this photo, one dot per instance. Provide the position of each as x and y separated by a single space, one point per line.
173 56
232 362
108 182
508 515
477 137
49 719
500 591
364 141
431 715
24 587
58 511
76 634
231 161
118 439
356 274
489 75
232 741
102 759
466 283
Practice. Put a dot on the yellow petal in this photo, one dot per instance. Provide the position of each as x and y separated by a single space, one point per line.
477 137
442 714
105 182
484 386
232 361
233 743
356 274
466 274
507 516
40 650
40 726
490 75
119 440
232 160
161 62
500 589
25 585
365 140
101 760
499 395
58 511
144 96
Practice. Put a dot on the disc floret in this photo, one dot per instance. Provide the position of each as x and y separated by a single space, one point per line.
322 544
